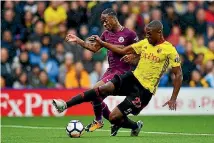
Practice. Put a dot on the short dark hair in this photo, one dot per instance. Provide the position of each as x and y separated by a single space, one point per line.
110 11
156 24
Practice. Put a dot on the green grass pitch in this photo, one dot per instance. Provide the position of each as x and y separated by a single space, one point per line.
157 129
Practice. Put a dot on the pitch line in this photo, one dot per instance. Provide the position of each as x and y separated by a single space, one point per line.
102 130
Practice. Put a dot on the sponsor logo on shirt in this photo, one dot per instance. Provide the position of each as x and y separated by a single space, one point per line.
151 56
121 39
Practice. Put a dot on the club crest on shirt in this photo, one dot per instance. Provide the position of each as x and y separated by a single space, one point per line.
159 50
121 39
145 47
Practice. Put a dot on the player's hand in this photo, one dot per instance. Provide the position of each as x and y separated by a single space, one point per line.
97 38
71 38
128 58
91 39
171 103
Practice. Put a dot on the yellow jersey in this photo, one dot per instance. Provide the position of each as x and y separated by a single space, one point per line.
154 61
57 16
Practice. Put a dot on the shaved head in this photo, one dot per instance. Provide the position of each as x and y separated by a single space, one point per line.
154 32
156 25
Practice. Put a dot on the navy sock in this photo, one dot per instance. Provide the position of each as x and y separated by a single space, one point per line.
128 123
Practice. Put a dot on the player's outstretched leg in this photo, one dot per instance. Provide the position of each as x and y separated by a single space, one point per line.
87 96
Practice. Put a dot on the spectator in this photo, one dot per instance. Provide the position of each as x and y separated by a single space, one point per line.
76 15
44 81
197 80
35 53
22 82
201 25
54 15
34 76
40 11
84 32
17 72
39 32
123 13
6 71
31 6
7 42
60 53
25 35
66 68
170 20
130 23
74 48
2 82
180 47
63 31
8 23
87 61
209 55
174 36
180 7
199 63
188 19
25 62
46 43
78 78
210 13
190 36
210 34
210 73
156 14
28 23
188 64
50 66
200 48
95 76
8 5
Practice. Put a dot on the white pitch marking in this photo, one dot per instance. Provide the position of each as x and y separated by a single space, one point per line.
101 130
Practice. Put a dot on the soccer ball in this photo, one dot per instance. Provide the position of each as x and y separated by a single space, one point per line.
74 129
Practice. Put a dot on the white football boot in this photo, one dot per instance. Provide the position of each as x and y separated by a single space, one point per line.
60 105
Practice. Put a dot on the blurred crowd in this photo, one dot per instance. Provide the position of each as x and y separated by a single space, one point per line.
35 55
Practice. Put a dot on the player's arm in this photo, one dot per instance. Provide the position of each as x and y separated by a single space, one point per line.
177 82
131 59
119 49
89 44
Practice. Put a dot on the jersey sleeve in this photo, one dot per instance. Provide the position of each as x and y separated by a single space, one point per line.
174 59
102 37
138 46
133 37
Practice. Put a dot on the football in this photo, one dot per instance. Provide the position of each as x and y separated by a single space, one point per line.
74 129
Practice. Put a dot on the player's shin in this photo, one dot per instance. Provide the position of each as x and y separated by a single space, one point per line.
83 97
106 111
97 106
